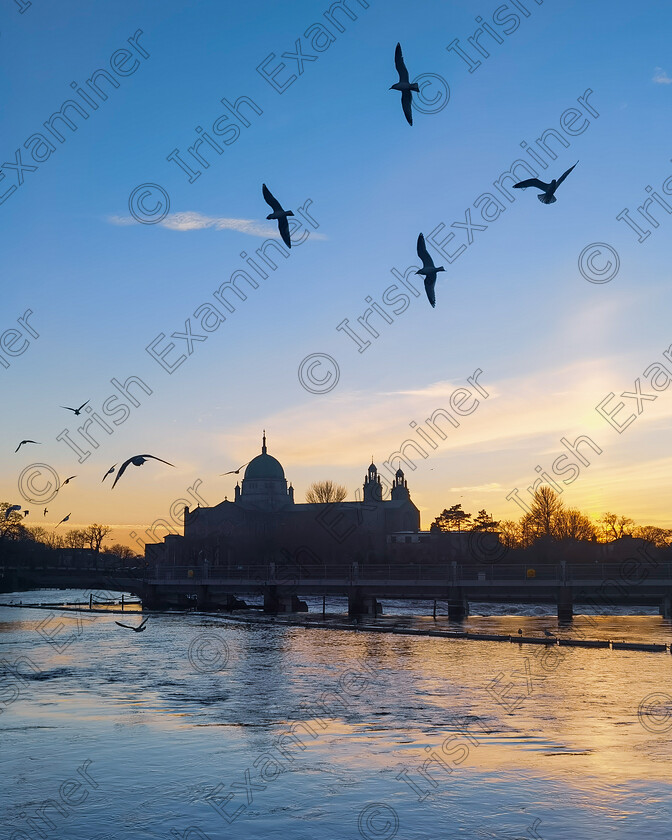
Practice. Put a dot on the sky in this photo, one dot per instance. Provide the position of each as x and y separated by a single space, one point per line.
557 307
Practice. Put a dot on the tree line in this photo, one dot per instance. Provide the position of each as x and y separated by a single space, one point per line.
13 527
549 518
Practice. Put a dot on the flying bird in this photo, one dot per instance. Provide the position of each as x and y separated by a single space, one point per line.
404 85
65 519
279 214
547 195
25 513
137 461
10 509
109 472
76 410
25 441
428 270
235 472
45 512
67 480
137 629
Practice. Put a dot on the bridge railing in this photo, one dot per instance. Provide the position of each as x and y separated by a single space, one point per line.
448 574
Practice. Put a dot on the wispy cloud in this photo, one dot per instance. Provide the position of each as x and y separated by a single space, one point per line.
190 220
660 77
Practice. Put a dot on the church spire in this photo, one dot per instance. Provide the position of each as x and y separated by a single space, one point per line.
263 444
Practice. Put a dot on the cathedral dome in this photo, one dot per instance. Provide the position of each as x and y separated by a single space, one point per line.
264 466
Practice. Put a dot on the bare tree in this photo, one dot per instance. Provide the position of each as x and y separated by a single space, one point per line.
660 537
95 534
616 527
325 492
571 524
546 506
510 534
75 538
121 551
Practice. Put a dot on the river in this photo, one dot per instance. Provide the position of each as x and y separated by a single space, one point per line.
204 727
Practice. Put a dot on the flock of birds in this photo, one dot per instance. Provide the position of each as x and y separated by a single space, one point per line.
428 270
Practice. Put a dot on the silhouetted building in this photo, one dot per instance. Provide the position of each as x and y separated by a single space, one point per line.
264 523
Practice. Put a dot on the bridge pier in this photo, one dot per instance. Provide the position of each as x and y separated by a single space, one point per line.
361 604
275 603
458 606
151 598
666 607
565 603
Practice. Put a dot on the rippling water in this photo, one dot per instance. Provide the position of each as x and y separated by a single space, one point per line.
188 728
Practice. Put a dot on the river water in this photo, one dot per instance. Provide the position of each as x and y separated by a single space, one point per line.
203 727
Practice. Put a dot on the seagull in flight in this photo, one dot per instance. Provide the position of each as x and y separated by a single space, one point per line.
10 509
68 480
547 195
428 270
137 629
404 85
235 472
279 214
25 513
65 519
45 512
137 461
76 410
25 441
109 472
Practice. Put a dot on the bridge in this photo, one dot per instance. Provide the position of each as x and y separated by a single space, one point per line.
633 582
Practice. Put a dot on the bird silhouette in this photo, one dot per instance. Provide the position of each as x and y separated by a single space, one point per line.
76 410
520 632
25 441
404 85
137 629
547 195
548 634
45 512
65 519
68 480
428 271
235 472
25 513
10 509
109 472
137 461
279 214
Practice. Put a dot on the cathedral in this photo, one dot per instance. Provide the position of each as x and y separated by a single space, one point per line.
264 523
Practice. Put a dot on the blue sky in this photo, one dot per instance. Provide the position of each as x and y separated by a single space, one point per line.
550 344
